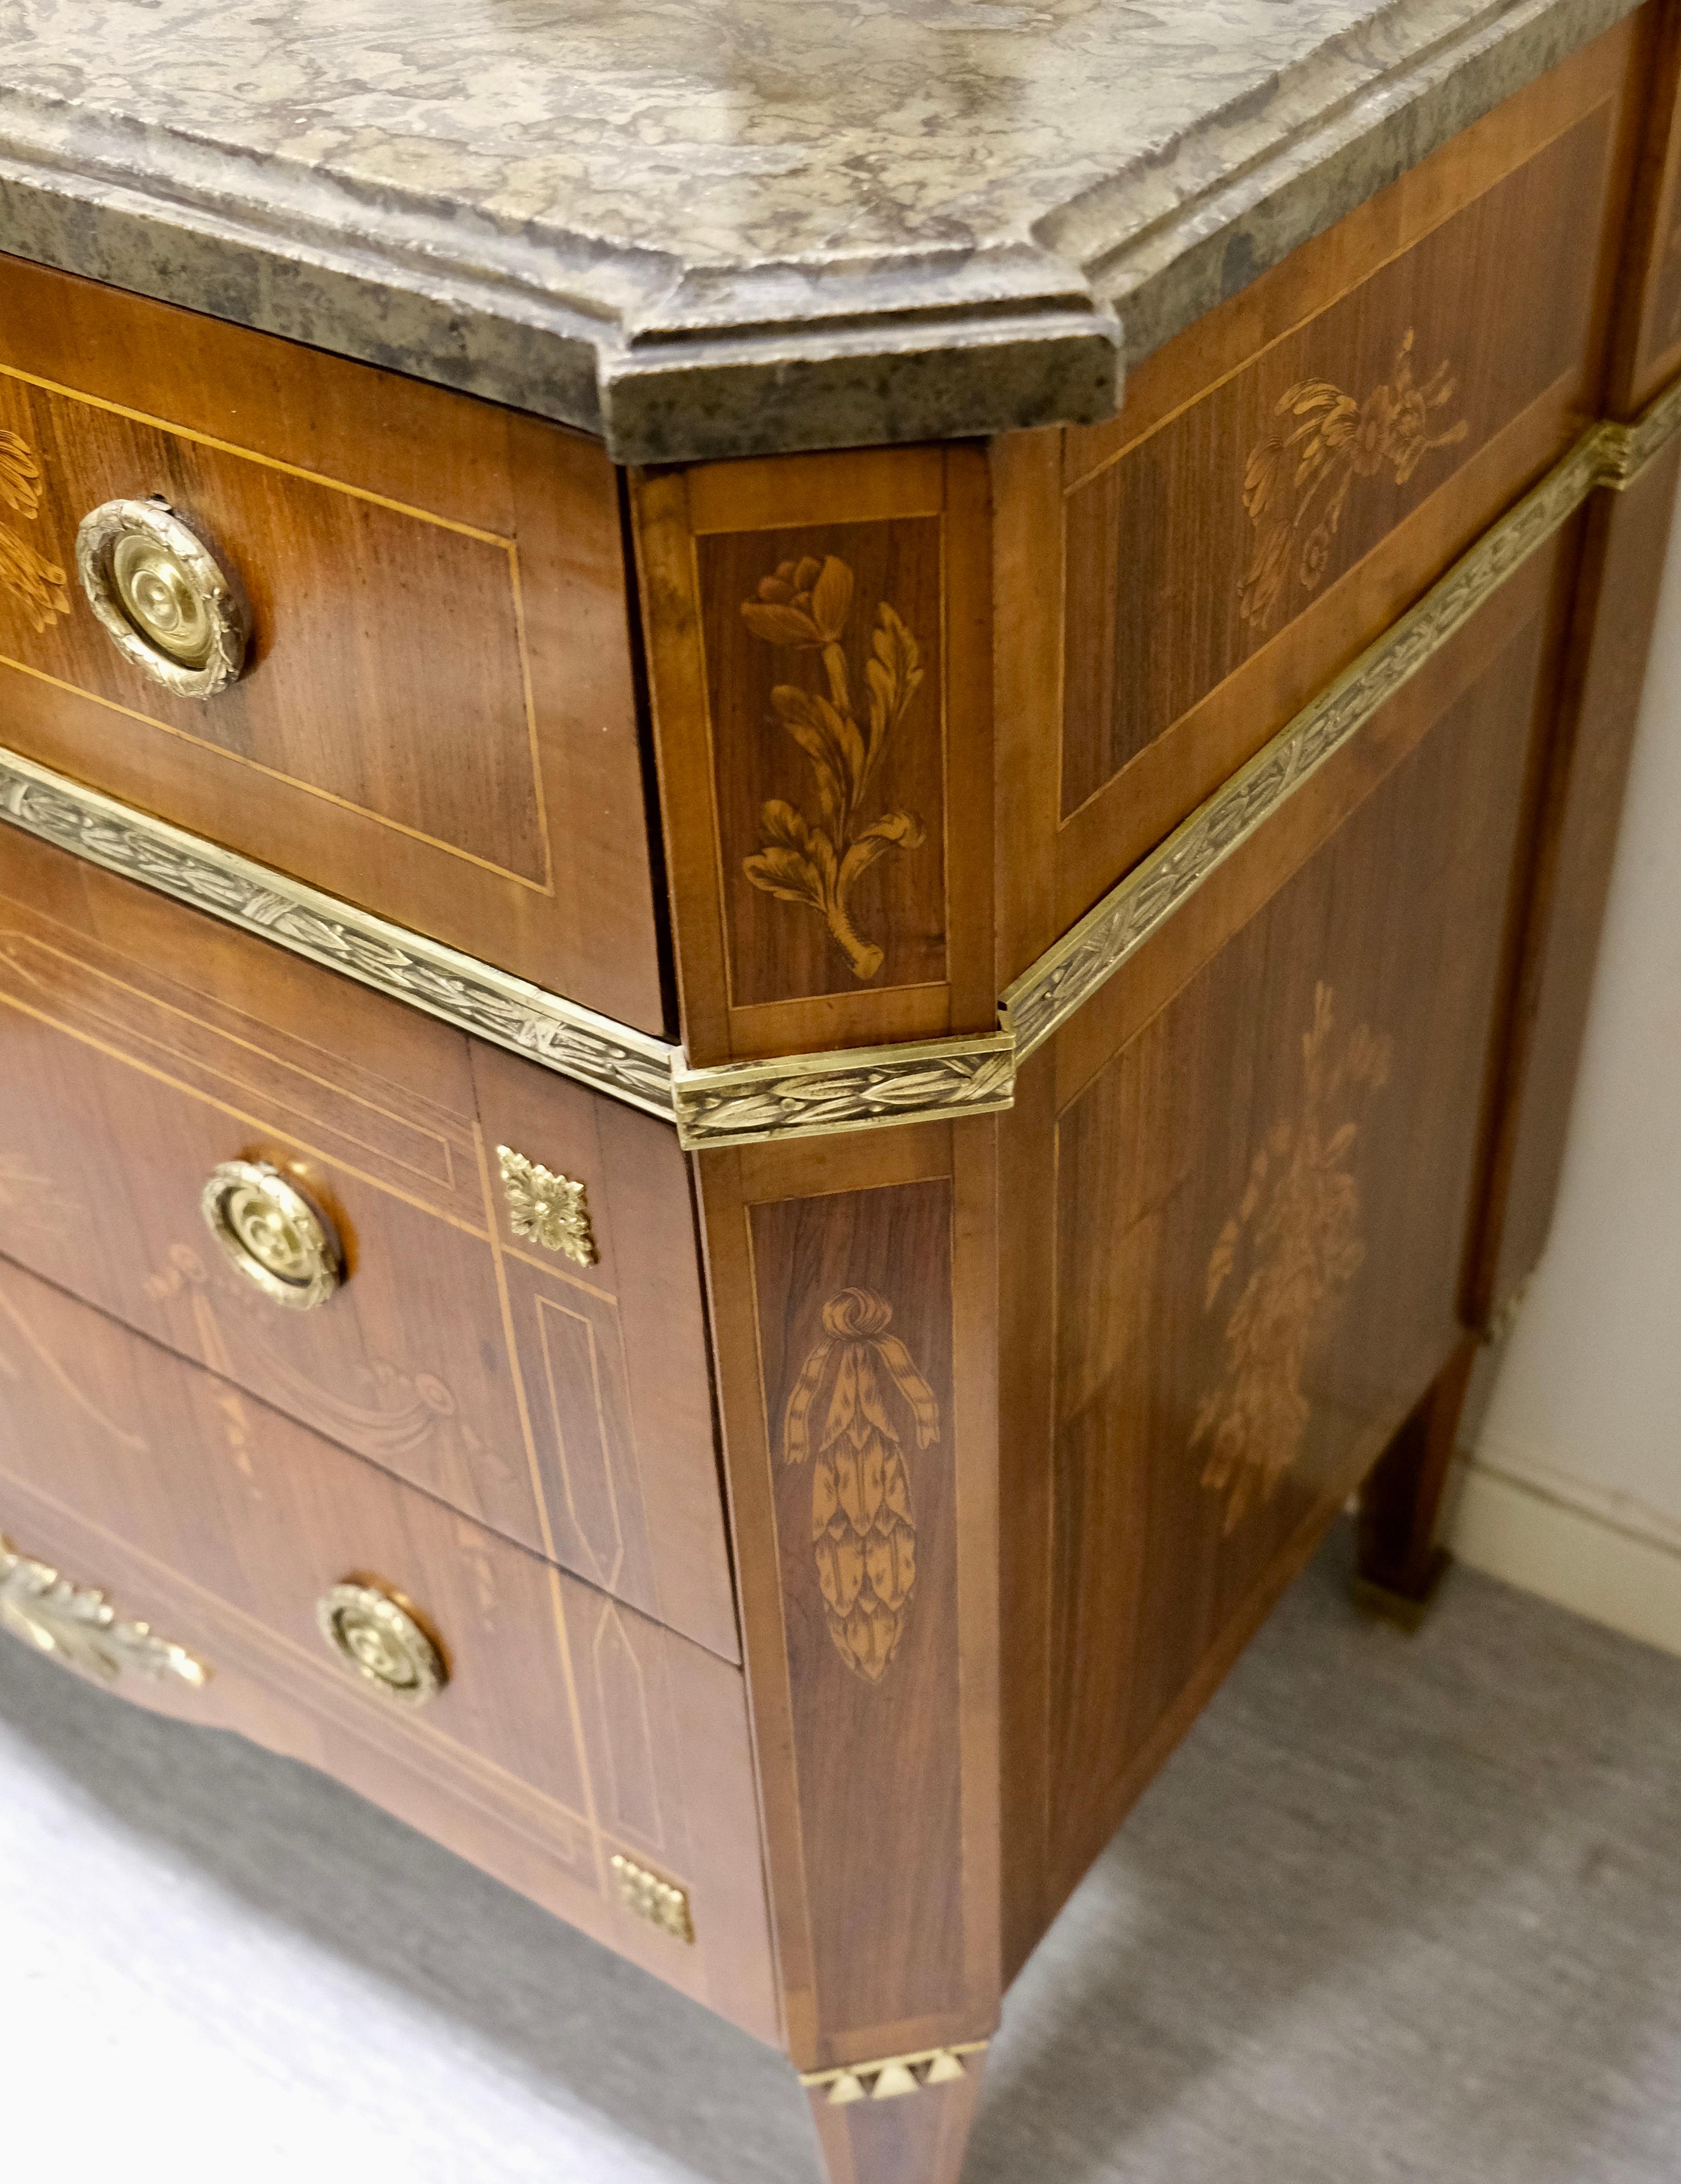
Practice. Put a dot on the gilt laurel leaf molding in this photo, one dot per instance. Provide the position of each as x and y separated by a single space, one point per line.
475 997
814 1095
744 1103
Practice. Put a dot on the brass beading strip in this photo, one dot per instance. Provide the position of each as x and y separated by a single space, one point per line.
855 1088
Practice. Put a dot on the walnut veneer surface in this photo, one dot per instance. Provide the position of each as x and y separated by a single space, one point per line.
823 1536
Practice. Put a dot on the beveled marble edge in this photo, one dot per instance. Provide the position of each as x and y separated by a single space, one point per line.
1035 1004
666 363
473 997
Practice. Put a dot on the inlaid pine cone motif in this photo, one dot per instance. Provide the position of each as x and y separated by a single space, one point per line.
863 1525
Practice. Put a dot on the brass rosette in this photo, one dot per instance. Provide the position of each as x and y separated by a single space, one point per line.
161 597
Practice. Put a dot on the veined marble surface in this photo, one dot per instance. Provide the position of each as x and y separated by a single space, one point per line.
719 227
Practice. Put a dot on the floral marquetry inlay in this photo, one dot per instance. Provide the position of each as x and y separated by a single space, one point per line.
803 607
26 575
863 1523
1300 1215
1297 484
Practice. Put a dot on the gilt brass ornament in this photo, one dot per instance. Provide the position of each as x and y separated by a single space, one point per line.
79 1626
661 1903
270 1234
161 597
375 1635
546 1209
891 2077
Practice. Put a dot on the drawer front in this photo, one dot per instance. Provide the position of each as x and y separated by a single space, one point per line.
566 1405
570 1730
1290 474
436 719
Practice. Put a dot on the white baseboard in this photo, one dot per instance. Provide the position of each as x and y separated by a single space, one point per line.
1546 1538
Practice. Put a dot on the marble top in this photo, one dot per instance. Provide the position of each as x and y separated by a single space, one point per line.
725 227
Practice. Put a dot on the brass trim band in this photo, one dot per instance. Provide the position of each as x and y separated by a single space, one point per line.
473 996
855 1088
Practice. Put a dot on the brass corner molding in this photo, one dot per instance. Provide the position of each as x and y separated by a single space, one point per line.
744 1103
891 2077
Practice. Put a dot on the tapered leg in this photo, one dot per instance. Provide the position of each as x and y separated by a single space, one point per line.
1400 1563
877 2135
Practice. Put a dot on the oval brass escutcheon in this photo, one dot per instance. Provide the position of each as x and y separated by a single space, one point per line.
373 1633
271 1234
161 597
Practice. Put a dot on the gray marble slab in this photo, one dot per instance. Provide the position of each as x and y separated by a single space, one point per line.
706 227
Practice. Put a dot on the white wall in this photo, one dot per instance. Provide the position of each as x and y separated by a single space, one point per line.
1575 1490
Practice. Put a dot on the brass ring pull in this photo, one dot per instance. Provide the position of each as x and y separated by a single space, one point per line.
274 1236
160 597
373 1632
80 1626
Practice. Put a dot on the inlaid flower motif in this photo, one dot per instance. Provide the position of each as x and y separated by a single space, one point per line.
1297 484
803 607
30 578
1301 1212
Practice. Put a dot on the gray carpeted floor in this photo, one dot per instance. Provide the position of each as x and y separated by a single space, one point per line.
1400 1909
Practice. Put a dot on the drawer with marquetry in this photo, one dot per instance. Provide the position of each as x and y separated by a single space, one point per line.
189 1546
713 1161
479 1275
369 632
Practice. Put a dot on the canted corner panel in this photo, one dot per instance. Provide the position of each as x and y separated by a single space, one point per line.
820 673
853 1303
1239 509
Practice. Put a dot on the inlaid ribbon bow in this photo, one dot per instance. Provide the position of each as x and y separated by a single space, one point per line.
863 1527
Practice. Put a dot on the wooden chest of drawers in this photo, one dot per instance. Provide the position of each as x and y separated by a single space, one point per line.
885 1072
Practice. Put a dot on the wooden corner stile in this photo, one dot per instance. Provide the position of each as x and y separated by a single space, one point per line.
820 668
854 1298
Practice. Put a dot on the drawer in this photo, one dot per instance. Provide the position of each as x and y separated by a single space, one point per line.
1290 474
570 1731
437 717
564 1404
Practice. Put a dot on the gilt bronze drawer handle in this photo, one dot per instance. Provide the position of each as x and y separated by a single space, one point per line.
271 1234
375 1635
163 601
80 1627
